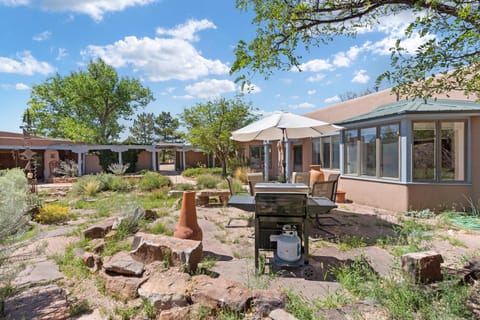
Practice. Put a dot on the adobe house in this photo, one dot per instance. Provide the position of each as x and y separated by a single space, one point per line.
398 155
48 152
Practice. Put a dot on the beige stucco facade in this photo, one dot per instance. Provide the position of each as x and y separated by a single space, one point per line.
400 194
49 152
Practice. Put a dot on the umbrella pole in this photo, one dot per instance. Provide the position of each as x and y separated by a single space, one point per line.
284 162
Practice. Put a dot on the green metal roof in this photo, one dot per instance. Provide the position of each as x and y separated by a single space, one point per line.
416 106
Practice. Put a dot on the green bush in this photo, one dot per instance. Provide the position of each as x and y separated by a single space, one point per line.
68 168
184 186
118 169
153 180
87 185
114 183
208 181
195 172
52 213
14 202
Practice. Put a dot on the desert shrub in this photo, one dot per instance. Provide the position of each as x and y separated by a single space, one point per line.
52 213
120 184
118 169
241 174
113 182
87 185
184 186
195 172
67 168
153 180
15 197
208 181
130 216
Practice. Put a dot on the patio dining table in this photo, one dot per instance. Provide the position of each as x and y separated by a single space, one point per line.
315 205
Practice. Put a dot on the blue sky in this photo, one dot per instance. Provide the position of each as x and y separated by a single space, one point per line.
181 50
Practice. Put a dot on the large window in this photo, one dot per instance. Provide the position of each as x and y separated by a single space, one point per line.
368 151
351 161
389 151
257 157
439 151
374 151
326 152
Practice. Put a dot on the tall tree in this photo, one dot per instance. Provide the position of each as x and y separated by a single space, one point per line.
209 126
166 127
450 30
143 128
86 105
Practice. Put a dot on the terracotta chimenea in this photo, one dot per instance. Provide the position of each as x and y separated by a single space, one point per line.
187 226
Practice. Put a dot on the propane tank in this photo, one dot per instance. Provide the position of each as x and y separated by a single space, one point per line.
289 244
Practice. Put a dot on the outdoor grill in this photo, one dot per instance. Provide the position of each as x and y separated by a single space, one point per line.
277 205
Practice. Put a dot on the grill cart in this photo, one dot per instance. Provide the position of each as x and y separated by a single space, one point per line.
281 225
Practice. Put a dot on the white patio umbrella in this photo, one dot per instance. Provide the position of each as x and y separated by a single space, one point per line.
282 125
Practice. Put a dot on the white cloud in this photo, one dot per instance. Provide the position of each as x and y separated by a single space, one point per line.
25 65
62 53
210 88
316 78
394 26
345 59
361 76
163 59
188 30
21 86
310 92
333 99
411 44
160 59
96 9
316 65
42 36
304 105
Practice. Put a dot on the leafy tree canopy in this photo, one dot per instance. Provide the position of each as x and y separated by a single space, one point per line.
86 105
209 126
450 30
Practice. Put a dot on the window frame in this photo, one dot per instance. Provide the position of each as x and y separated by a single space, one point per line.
438 152
318 157
378 150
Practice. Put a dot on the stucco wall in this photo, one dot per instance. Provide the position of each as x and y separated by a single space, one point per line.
144 161
388 196
438 197
92 164
50 156
475 150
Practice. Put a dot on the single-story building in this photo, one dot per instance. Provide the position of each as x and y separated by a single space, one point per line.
42 155
393 154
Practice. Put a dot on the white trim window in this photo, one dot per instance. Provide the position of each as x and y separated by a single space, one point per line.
326 151
439 151
373 151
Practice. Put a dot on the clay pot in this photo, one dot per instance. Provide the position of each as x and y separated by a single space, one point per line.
316 174
187 226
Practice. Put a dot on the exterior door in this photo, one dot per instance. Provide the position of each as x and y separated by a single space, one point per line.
297 158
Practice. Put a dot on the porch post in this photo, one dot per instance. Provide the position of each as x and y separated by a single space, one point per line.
287 162
154 158
120 157
79 163
184 163
266 160
406 143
